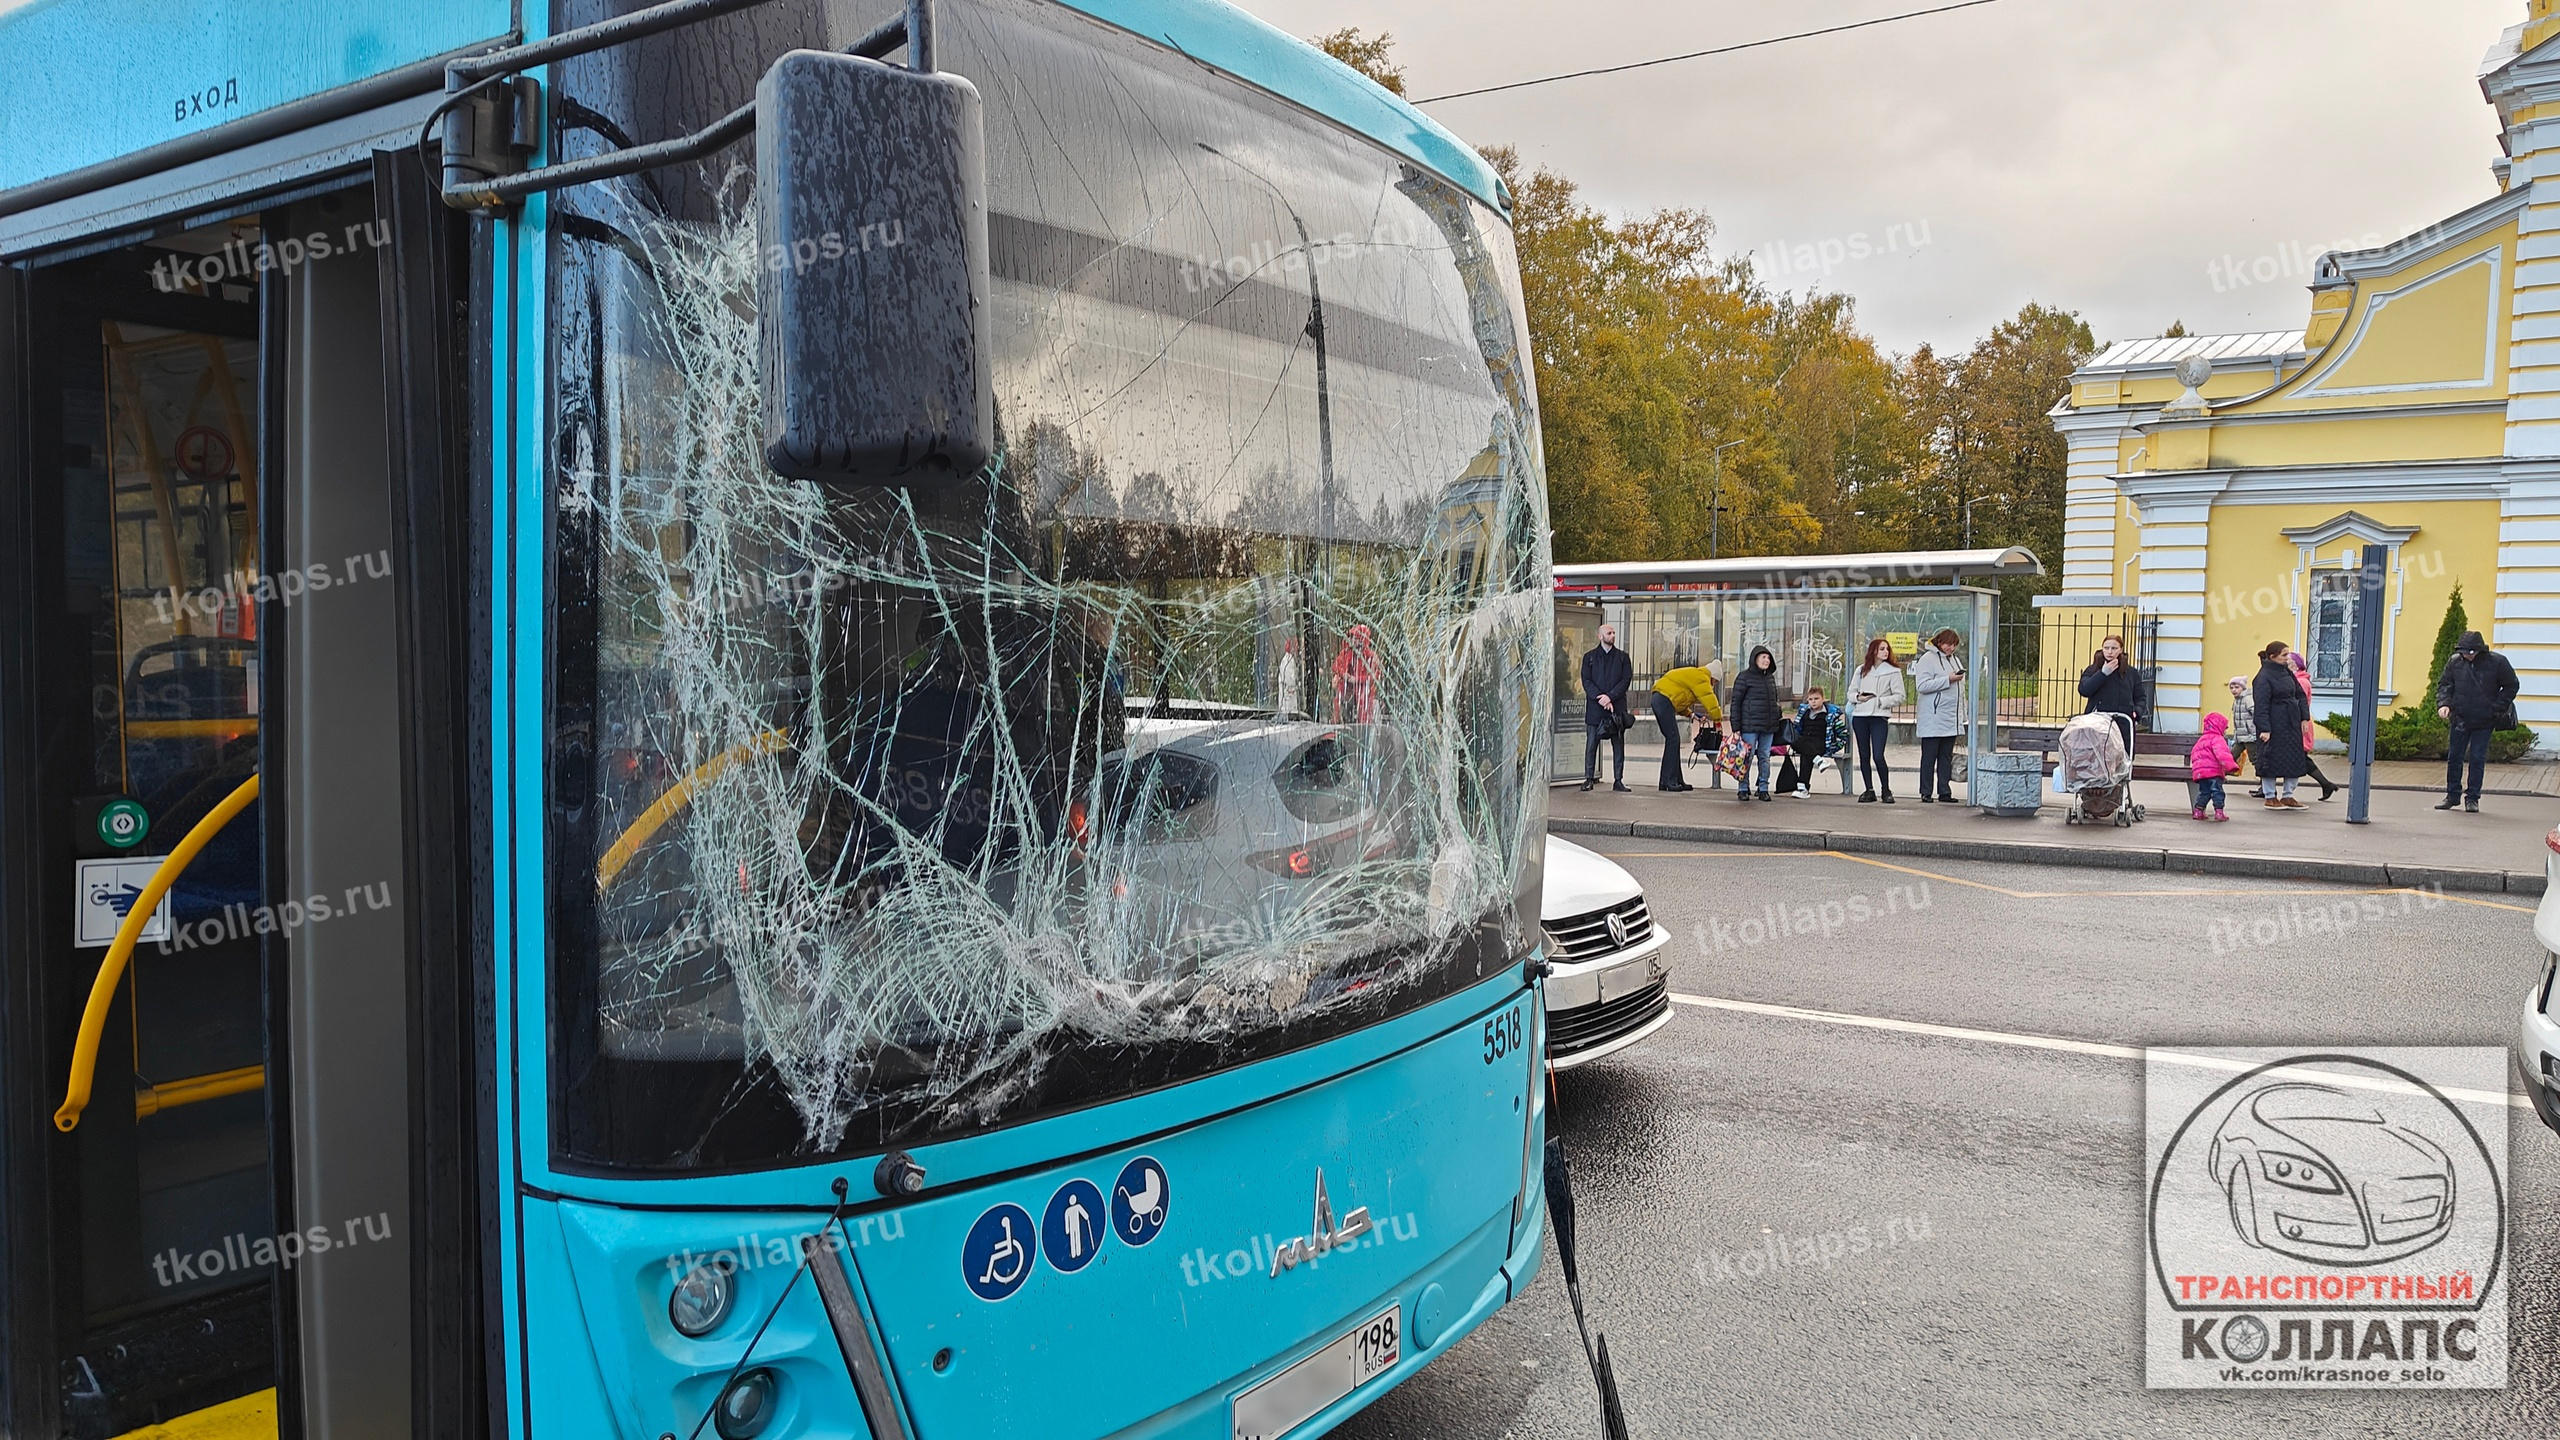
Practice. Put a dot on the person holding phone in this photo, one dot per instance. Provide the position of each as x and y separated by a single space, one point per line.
1875 692
1939 677
2113 687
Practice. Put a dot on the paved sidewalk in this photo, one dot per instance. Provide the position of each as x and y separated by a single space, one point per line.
2406 843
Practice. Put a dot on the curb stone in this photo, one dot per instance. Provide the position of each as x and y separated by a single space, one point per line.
2445 878
2028 852
1736 835
2285 867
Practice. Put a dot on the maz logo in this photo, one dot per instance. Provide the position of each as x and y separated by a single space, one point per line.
1324 1239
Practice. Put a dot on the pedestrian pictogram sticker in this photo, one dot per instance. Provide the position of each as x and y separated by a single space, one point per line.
999 1253
1071 1233
1139 1200
106 889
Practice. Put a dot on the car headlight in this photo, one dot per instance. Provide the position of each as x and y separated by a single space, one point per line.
2550 967
702 1299
2295 1173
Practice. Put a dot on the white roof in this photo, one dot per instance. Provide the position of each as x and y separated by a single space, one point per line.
2264 345
1788 572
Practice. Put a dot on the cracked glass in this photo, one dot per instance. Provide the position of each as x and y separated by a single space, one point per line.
1197 728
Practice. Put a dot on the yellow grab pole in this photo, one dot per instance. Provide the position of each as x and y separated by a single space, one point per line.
102 992
679 795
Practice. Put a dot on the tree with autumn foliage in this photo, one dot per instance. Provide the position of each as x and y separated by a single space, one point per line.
1690 409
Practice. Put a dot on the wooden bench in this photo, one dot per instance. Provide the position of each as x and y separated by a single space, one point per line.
2175 748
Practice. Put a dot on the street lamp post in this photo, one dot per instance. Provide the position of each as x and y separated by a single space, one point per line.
1715 501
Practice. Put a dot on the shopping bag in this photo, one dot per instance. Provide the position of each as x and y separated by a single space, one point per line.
1735 758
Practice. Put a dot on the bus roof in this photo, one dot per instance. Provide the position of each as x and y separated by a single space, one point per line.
119 47
1253 50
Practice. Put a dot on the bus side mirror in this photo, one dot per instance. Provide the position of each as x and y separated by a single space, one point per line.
871 197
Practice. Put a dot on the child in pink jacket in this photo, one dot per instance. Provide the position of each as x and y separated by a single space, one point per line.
2209 761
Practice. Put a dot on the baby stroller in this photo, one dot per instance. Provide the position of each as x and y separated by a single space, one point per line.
2096 770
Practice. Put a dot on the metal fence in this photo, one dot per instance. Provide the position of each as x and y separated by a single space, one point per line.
2042 655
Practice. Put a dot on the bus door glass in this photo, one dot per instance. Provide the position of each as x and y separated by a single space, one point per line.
217 672
149 459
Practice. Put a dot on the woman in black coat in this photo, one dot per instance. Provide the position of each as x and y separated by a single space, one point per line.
1751 708
2280 708
2113 687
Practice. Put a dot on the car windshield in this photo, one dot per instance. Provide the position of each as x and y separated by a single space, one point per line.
2314 1102
1197 728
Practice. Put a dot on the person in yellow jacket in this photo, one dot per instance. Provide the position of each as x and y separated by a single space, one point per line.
1689 690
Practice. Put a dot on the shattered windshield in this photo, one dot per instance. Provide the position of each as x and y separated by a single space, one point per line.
1197 728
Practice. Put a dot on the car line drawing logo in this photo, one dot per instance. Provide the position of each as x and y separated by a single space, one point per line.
2311 1172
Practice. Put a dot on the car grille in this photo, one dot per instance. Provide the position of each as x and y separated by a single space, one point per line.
1586 937
1584 1026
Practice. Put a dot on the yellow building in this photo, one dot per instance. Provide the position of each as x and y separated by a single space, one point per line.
2218 482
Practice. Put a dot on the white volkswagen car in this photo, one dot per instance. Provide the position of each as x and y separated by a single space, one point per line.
2538 1052
1611 985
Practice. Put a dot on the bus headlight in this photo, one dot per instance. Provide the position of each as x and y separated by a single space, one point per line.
748 1405
701 1299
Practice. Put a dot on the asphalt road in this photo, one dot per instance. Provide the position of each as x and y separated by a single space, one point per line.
2011 1179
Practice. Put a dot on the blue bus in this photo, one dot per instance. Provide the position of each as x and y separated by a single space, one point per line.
791 719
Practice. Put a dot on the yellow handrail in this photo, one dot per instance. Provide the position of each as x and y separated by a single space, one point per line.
150 1100
667 806
102 992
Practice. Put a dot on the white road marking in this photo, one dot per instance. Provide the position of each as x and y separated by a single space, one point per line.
2081 1047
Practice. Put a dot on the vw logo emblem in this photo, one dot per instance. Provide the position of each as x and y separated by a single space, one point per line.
1617 930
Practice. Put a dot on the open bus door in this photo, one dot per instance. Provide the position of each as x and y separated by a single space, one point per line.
241 1148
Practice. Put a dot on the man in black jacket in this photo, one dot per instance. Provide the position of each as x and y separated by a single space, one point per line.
2476 698
1607 674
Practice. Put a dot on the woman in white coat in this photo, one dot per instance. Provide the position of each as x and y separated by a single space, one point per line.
1939 677
1874 694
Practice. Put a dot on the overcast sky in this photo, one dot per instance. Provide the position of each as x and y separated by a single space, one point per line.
2118 159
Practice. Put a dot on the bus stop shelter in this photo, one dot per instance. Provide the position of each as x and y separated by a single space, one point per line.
1816 614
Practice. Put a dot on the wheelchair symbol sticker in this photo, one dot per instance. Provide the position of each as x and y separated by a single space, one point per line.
998 1255
1138 1201
1072 1232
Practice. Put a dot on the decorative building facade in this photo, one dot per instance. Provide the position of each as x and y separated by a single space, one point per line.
2220 484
